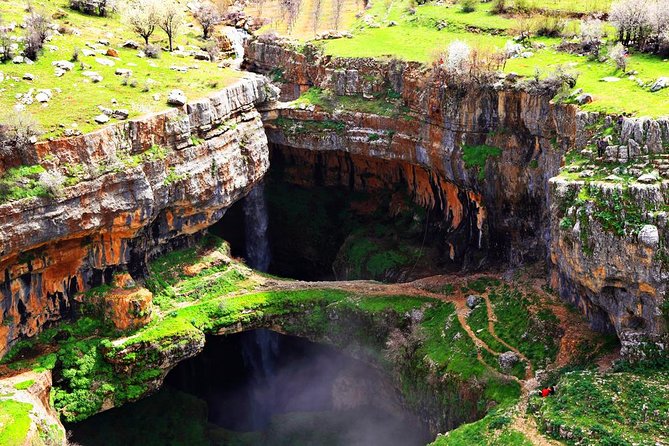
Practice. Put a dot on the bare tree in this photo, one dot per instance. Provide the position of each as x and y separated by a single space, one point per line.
316 15
291 10
5 43
37 31
143 17
337 6
208 16
631 18
171 20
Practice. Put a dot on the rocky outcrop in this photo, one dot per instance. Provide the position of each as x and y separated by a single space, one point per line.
29 416
141 186
434 127
616 277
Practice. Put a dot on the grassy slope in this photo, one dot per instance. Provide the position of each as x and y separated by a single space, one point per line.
14 422
78 102
417 38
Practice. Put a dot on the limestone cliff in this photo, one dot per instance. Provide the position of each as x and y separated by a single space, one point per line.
616 275
141 187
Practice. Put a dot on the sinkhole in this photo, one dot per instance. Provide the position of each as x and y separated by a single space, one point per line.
260 387
337 216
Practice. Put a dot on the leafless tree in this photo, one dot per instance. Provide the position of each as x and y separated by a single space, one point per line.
337 6
316 15
631 18
37 31
291 10
171 20
208 16
143 17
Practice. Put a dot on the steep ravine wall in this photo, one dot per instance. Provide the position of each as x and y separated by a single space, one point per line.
147 185
618 280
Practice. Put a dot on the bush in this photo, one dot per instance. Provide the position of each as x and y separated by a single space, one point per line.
53 182
152 51
468 5
550 25
37 31
18 131
499 6
618 55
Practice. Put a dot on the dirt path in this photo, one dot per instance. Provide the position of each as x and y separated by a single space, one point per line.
492 318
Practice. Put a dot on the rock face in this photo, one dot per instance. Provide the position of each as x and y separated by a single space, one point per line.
437 122
617 279
149 184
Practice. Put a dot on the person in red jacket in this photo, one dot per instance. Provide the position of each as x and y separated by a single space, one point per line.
547 391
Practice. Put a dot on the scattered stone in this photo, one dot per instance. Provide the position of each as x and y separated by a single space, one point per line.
93 76
111 52
392 23
88 53
507 360
131 44
176 98
120 114
613 178
104 42
610 79
201 55
18 59
123 72
473 301
28 77
63 65
649 236
102 119
179 69
42 98
105 110
649 178
59 72
105 62
526 54
583 99
659 84
156 97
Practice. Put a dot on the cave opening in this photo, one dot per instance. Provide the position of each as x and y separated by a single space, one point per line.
337 216
262 387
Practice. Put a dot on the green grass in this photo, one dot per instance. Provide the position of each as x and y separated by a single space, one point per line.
23 385
383 105
21 182
416 38
78 101
14 422
615 408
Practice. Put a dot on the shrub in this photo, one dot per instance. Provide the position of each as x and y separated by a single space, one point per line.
36 33
499 6
52 181
618 55
464 65
592 32
152 51
5 45
18 131
550 25
468 5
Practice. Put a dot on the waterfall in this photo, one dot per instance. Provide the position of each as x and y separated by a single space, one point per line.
237 37
256 222
260 350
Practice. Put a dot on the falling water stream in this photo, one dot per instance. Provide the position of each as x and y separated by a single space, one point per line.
256 222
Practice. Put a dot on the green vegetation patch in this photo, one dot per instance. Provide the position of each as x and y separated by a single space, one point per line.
477 156
385 104
23 385
618 408
14 422
22 182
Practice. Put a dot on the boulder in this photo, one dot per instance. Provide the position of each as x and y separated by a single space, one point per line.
101 119
42 97
583 99
105 62
473 301
93 76
177 98
660 84
131 44
507 360
28 77
648 178
63 65
123 72
111 52
120 114
87 53
18 60
202 55
649 236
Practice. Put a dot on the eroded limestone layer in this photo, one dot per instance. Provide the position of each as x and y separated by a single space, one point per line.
143 185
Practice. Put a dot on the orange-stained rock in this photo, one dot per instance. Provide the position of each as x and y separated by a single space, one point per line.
123 212
127 308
